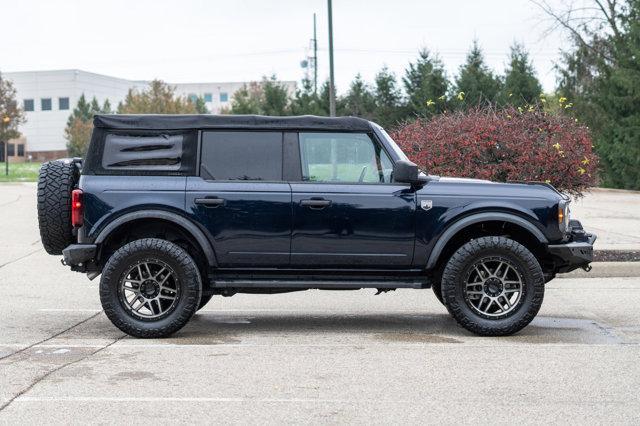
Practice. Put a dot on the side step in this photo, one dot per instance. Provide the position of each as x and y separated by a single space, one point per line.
315 284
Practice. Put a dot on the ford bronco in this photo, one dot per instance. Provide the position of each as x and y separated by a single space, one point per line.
172 210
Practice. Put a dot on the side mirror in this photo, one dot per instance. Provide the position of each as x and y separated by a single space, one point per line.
405 171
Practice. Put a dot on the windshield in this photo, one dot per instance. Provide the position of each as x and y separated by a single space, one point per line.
396 149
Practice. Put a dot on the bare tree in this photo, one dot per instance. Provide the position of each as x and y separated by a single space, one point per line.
587 21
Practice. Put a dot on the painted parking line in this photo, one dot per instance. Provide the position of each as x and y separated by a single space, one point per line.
356 344
193 399
216 311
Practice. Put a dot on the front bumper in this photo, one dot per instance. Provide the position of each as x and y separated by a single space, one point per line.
574 254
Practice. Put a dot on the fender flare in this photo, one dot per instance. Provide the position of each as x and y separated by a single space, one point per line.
175 218
453 229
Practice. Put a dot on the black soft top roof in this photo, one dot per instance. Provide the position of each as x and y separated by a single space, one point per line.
206 121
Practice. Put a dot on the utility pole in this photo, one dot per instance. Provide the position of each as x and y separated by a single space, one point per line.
332 86
315 57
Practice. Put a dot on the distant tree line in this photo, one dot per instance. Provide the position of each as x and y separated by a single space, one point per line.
425 89
598 86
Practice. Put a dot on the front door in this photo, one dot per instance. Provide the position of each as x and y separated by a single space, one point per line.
346 211
241 200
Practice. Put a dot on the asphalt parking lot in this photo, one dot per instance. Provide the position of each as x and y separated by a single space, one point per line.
307 357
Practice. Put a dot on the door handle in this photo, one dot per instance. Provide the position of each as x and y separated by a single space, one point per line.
316 203
210 202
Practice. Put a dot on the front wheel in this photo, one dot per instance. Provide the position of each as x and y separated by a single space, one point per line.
493 286
150 288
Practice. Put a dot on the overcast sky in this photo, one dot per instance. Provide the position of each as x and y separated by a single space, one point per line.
217 40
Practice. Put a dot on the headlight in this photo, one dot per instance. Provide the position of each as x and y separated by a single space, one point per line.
563 215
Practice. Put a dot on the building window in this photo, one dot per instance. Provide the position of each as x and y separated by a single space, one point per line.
28 105
11 150
21 150
208 97
193 97
45 104
63 103
224 97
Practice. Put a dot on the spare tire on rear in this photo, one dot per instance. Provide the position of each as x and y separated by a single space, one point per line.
56 180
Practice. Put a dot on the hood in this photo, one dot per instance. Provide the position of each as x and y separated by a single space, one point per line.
474 187
463 180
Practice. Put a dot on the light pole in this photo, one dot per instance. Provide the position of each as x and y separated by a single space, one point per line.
315 57
332 87
5 124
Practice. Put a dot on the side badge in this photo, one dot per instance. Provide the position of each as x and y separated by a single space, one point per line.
426 204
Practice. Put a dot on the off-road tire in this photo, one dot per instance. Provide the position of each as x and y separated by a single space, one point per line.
453 282
56 180
171 254
204 300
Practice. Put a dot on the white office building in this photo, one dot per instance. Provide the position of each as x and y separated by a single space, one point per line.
48 97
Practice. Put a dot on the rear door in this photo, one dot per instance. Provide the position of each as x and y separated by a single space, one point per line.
240 198
347 212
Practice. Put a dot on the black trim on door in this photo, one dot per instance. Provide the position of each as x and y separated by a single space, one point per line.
291 165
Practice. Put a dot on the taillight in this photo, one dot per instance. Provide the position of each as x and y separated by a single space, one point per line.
76 208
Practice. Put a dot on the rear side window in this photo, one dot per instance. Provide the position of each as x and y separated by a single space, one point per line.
252 156
141 152
154 152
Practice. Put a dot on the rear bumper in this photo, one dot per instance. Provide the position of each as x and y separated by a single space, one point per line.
574 254
78 255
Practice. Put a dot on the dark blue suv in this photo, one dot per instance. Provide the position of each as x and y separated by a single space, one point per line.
172 210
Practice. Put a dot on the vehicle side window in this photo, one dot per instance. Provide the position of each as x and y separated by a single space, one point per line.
228 155
143 152
343 157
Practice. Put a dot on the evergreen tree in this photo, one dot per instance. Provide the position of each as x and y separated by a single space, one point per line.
359 100
599 78
201 106
425 83
106 107
306 101
80 124
323 99
476 81
388 99
95 107
521 86
247 99
82 110
616 102
275 97
268 97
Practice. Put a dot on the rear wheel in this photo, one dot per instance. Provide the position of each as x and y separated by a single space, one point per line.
493 286
150 288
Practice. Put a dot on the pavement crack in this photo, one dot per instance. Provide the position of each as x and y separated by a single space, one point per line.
19 258
11 202
55 370
51 337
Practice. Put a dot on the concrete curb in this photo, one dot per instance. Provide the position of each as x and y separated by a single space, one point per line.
606 270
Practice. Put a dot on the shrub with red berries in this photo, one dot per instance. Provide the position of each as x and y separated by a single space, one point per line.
503 145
